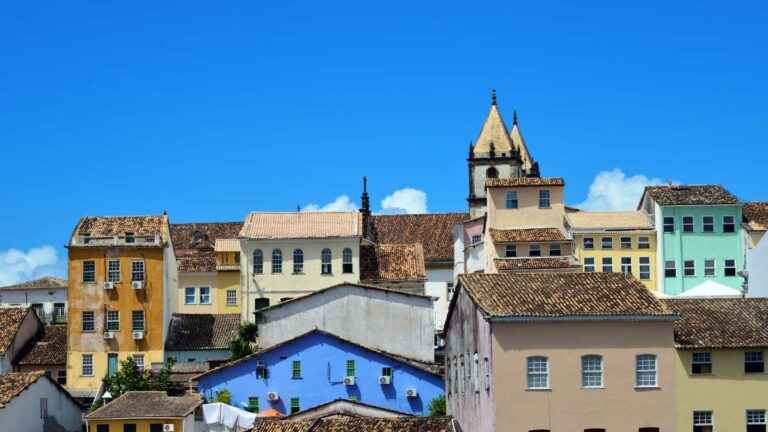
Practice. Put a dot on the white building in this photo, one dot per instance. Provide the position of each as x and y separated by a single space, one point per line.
32 402
47 296
755 227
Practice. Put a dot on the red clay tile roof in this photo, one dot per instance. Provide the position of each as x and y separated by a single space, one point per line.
551 295
147 404
691 195
434 231
392 262
544 263
107 226
43 283
525 181
49 350
358 424
194 243
756 214
13 384
189 332
527 235
10 322
302 225
721 322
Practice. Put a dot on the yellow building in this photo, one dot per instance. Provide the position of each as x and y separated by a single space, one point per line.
615 242
147 411
120 269
721 379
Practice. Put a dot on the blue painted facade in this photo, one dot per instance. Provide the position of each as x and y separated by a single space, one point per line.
323 366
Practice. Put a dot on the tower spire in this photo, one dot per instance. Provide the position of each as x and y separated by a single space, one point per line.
365 209
514 117
493 96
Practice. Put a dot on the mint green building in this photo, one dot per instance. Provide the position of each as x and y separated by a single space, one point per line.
699 238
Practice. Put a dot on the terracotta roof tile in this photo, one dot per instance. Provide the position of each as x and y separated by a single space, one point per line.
295 225
434 231
608 220
358 424
14 383
107 226
10 322
547 295
525 181
49 350
194 243
756 214
527 235
721 322
392 262
691 195
147 404
44 283
544 263
188 332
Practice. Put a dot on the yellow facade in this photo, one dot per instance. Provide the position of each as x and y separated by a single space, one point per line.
728 392
93 297
618 251
224 286
142 425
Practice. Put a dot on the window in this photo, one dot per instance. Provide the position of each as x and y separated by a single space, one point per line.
130 237
277 261
129 427
534 250
156 427
753 362
756 421
350 368
607 264
346 261
512 200
102 428
61 377
137 320
487 375
326 266
592 371
510 251
205 295
648 429
708 224
626 242
89 321
261 371
231 297
113 320
589 265
298 261
296 369
729 225
607 243
387 371
59 312
139 360
491 172
43 408
258 262
260 303
189 295
689 268
89 271
538 372
295 407
701 363
137 271
476 239
645 370
645 268
626 266
544 201
688 224
669 224
709 267
730 268
589 243
643 243
670 270
113 270
554 249
253 404
702 421
87 364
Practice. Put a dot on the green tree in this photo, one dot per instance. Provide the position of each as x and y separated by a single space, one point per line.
245 342
223 396
437 406
130 378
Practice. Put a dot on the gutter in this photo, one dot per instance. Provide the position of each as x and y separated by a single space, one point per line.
588 318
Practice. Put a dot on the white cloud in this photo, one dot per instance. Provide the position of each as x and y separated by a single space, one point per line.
613 190
341 203
17 266
407 200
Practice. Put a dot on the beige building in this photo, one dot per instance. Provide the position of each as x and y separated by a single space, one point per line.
559 352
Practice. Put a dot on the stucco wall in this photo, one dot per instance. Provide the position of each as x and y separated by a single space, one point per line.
196 280
22 414
142 425
757 266
616 253
27 297
199 356
28 329
528 213
437 287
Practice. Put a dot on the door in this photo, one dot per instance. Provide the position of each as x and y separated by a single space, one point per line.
111 364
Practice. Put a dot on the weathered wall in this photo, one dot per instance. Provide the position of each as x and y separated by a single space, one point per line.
27 331
22 413
528 214
27 297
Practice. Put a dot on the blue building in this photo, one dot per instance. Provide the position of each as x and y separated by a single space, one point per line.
317 368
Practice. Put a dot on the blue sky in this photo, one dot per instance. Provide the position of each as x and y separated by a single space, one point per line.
210 110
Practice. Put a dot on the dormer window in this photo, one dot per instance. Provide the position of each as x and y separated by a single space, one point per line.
130 238
86 238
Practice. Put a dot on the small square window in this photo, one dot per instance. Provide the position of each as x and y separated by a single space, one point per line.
689 268
753 362
589 243
729 224
669 224
607 243
701 363
510 251
729 268
534 250
643 243
670 269
708 224
626 242
130 238
589 265
189 295
687 224
702 421
554 249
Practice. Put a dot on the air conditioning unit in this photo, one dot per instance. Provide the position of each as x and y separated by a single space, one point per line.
109 335
138 335
273 396
168 427
411 393
109 285
137 284
385 380
350 380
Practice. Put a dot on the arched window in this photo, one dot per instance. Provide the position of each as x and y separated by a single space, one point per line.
347 261
592 371
491 173
325 265
538 372
298 261
258 262
277 261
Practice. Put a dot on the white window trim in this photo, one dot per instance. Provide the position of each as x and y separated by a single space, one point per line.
82 365
601 371
703 224
228 298
655 372
714 267
194 295
590 265
200 295
693 224
546 374
119 270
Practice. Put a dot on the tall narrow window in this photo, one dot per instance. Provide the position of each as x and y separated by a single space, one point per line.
709 267
687 224
669 224
589 264
534 250
592 371
89 271
645 268
554 249
87 365
298 261
607 265
645 371
538 372
730 268
113 320
137 270
326 258
670 270
689 268
295 406
643 243
277 261
701 363
189 295
512 199
729 225
487 374
89 321
205 295
253 404
258 262
351 371
296 369
113 270
753 362
544 199
589 243
137 320
702 421
346 261
510 251
626 266
756 421
708 224
231 297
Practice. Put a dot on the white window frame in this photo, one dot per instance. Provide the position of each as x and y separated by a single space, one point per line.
643 242
92 321
732 223
258 262
113 273
727 267
545 199
187 293
588 245
511 200
139 360
589 264
645 365
606 241
692 267
591 371
668 224
756 417
668 267
710 270
138 270
135 320
537 367
231 297
201 295
606 262
704 418
89 275
113 320
510 251
347 263
555 247
701 358
625 245
708 222
326 261
86 365
645 267
277 261
686 224
626 268
298 261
